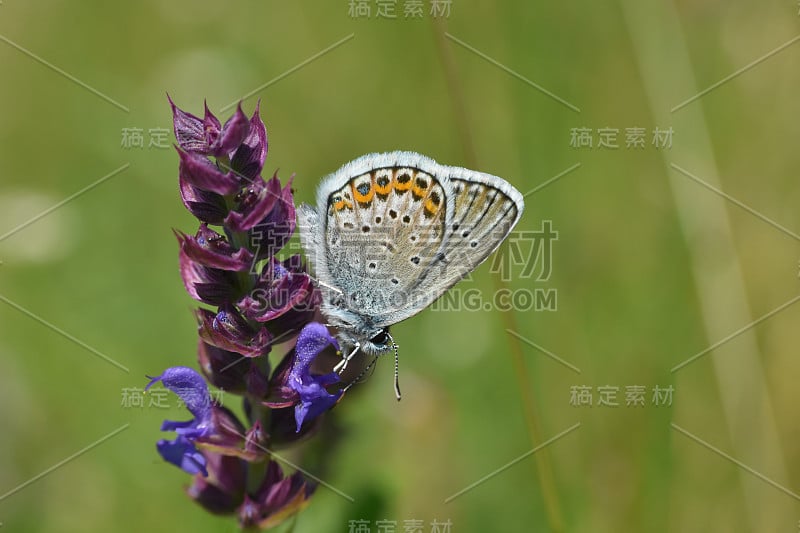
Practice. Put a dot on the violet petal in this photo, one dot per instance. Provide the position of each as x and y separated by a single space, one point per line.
233 133
189 130
254 203
229 331
248 159
208 206
197 170
211 249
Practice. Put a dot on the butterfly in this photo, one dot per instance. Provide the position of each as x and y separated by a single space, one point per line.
391 232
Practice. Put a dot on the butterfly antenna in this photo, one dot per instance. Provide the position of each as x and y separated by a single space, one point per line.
396 368
361 375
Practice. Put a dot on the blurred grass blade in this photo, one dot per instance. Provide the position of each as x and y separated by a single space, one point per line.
543 464
666 71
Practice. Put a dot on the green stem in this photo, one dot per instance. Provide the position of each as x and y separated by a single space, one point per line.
239 239
257 470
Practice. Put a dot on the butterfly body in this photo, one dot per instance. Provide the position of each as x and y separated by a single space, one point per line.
392 232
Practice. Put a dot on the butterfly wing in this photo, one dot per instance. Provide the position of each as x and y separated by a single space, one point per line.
379 224
394 231
485 209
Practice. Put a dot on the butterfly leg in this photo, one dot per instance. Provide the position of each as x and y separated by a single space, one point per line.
341 365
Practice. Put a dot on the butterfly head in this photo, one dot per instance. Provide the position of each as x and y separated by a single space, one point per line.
380 342
372 342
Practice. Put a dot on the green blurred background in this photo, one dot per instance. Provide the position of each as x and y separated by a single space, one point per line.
654 263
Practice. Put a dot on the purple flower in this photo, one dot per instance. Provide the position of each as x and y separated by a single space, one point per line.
196 170
298 386
241 149
220 183
248 159
229 330
254 203
207 284
283 428
208 206
230 437
283 287
211 249
192 389
205 136
276 499
222 491
231 371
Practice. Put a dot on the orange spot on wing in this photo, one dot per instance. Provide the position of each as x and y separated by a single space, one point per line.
418 191
431 208
342 204
385 188
402 182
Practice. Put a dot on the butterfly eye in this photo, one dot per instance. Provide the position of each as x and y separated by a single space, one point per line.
381 339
